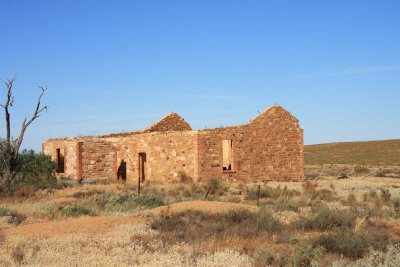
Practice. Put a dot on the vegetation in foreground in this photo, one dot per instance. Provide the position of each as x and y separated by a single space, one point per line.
323 222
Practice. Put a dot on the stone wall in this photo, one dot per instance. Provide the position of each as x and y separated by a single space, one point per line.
69 150
270 147
167 154
98 159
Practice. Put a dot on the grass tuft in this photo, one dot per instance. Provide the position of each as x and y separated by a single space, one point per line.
76 211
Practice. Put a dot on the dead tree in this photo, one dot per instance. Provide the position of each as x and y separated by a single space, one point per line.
11 146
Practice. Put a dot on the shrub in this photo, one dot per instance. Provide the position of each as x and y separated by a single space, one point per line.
304 256
263 256
14 217
217 187
391 257
150 201
350 244
34 169
286 204
76 211
326 219
347 244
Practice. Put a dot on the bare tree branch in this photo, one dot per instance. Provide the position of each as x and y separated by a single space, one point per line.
9 103
11 145
36 114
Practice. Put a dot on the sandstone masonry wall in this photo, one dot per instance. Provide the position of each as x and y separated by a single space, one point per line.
98 159
69 148
270 147
167 154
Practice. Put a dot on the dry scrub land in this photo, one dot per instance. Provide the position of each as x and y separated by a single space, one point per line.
320 222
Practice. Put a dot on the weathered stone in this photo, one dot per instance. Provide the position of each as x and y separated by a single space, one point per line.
269 147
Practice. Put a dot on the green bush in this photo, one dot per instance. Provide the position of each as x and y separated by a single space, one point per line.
286 204
306 255
348 244
76 211
34 169
150 201
217 187
326 219
14 217
263 256
352 245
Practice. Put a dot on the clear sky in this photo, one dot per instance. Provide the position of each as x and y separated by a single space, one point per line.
114 66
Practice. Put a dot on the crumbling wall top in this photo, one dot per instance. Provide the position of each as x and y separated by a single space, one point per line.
171 122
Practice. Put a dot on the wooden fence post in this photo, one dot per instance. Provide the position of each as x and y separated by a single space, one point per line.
258 194
208 192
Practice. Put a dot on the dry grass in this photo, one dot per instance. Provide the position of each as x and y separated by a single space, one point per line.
127 245
382 153
300 223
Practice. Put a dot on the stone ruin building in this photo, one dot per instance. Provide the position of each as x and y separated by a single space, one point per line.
269 147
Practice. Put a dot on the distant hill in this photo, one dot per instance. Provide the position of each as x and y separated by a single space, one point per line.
382 153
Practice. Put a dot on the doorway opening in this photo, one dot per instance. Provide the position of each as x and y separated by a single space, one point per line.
121 172
142 167
60 160
227 155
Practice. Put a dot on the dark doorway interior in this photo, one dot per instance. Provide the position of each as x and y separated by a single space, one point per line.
142 167
121 172
60 161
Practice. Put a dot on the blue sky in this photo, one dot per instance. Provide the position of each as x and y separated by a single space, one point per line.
115 66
